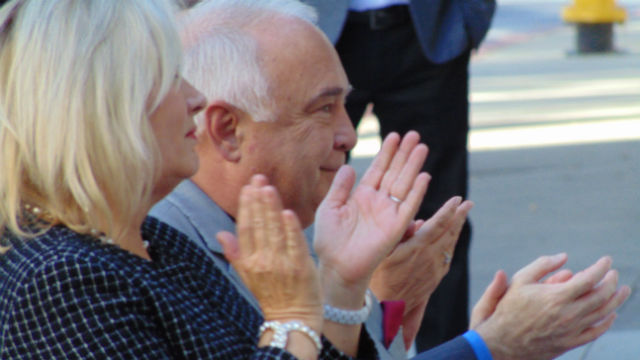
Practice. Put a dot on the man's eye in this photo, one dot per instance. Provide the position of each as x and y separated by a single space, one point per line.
327 108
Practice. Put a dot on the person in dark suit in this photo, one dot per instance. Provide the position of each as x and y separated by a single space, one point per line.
410 58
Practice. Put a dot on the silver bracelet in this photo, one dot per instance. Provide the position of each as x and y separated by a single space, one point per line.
281 333
349 317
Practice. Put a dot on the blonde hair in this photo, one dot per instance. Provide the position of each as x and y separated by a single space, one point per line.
222 55
78 79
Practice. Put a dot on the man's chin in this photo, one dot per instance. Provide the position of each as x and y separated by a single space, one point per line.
327 176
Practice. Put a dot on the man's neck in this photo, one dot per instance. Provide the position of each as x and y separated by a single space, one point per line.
221 188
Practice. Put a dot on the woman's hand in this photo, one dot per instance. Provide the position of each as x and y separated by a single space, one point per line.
272 258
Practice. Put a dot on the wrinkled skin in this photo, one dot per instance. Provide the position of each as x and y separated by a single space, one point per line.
272 257
535 319
416 266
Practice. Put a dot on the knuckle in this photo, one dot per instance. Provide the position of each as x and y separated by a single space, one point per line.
261 267
588 282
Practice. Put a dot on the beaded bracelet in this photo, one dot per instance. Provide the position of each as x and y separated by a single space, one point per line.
281 332
349 317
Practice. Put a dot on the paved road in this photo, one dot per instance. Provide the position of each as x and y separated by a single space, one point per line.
555 157
555 154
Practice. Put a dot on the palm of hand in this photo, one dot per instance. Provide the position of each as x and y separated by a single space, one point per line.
357 235
355 231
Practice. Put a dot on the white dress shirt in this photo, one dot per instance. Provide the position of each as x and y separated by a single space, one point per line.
363 5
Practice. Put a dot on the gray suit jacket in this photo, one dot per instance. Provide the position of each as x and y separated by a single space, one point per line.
445 28
192 212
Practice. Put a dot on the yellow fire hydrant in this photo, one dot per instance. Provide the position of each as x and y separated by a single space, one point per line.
594 20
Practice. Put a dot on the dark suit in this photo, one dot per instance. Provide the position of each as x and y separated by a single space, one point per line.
412 64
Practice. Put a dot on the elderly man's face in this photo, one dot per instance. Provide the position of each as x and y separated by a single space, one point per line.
301 150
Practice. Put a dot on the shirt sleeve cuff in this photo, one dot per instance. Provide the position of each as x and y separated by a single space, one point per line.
393 312
478 345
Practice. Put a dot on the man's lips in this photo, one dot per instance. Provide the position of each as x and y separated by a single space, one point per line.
331 168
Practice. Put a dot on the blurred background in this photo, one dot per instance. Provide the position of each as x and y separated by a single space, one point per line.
555 153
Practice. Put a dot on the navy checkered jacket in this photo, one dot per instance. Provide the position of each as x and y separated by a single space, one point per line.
67 296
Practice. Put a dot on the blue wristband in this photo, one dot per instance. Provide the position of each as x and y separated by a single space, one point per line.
478 345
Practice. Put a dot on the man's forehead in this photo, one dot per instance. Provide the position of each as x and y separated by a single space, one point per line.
301 66
309 82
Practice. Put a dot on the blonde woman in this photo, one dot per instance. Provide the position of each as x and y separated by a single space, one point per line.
95 127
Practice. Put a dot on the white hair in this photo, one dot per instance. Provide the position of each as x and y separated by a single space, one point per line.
78 80
222 55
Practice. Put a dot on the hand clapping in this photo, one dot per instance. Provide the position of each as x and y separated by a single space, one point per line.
272 257
355 231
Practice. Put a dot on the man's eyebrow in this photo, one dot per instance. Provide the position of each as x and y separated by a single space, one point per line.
330 92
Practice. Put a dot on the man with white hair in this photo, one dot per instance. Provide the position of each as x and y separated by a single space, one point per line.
276 93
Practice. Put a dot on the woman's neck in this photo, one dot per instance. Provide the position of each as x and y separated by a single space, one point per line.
131 236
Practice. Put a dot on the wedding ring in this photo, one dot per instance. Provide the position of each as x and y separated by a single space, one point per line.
447 257
395 199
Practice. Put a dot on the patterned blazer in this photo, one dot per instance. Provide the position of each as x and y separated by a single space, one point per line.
65 295
445 28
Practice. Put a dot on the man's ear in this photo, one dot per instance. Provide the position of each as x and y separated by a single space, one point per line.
221 127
